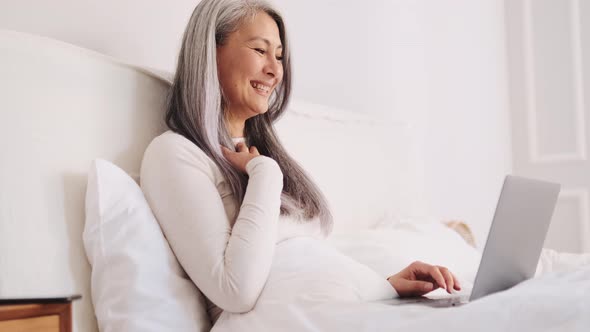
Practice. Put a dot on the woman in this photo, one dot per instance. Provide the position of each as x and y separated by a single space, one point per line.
224 190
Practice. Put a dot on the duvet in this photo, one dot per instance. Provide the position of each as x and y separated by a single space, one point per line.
339 285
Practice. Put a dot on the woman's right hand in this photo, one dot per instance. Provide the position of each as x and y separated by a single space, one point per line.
240 158
420 278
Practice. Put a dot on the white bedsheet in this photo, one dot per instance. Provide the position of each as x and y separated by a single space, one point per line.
313 287
555 302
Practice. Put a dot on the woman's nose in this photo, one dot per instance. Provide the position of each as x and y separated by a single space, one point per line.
272 66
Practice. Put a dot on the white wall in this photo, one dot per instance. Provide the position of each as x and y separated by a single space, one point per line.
468 142
146 33
437 63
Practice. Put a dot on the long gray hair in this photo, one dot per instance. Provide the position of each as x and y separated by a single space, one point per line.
195 106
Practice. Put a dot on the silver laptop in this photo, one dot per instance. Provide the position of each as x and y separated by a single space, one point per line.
514 244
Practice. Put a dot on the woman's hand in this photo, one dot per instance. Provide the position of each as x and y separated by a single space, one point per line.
240 158
420 278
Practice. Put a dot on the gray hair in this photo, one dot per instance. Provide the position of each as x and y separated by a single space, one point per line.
195 107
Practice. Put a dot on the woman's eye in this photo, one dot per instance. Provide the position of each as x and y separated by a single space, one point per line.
263 52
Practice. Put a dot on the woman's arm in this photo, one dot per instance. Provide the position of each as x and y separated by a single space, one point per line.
230 266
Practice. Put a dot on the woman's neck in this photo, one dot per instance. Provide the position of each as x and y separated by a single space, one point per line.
236 125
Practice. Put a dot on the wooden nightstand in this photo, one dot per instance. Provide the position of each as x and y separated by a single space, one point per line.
37 315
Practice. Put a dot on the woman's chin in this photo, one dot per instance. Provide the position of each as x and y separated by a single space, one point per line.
259 109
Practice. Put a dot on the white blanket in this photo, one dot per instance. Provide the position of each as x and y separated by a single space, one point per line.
314 287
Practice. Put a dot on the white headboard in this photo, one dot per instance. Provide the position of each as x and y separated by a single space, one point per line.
61 107
369 168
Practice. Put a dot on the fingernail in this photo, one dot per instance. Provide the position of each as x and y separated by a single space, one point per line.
427 287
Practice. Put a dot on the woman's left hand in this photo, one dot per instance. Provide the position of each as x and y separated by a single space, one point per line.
420 278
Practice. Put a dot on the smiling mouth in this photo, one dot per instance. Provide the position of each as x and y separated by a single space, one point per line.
261 88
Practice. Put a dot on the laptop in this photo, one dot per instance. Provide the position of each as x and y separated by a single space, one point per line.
514 243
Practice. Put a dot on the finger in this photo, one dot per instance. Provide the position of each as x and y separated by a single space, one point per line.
448 278
241 147
425 272
224 150
457 284
254 150
415 287
438 277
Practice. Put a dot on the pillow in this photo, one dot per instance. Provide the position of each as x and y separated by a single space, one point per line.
137 283
389 249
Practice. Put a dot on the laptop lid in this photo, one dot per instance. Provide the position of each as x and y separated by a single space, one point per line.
517 234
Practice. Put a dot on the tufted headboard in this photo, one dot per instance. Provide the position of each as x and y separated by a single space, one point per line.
63 106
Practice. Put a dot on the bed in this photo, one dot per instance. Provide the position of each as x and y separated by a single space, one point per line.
64 106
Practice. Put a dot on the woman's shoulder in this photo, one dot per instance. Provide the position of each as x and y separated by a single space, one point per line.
173 147
171 143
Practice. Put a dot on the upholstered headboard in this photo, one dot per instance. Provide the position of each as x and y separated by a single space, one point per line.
369 168
63 106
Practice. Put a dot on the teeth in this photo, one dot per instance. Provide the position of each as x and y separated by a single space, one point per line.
261 87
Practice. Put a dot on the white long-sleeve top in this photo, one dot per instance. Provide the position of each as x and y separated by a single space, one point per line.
229 262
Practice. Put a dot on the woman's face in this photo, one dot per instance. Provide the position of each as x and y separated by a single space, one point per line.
250 66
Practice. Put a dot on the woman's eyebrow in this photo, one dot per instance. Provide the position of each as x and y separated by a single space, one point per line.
266 41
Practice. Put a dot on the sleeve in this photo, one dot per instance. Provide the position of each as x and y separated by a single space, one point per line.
230 266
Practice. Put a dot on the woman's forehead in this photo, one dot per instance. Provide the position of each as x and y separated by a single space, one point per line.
261 28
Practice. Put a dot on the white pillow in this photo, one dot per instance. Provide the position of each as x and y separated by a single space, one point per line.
137 283
389 249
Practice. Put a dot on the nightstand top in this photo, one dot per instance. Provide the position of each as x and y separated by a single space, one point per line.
26 300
